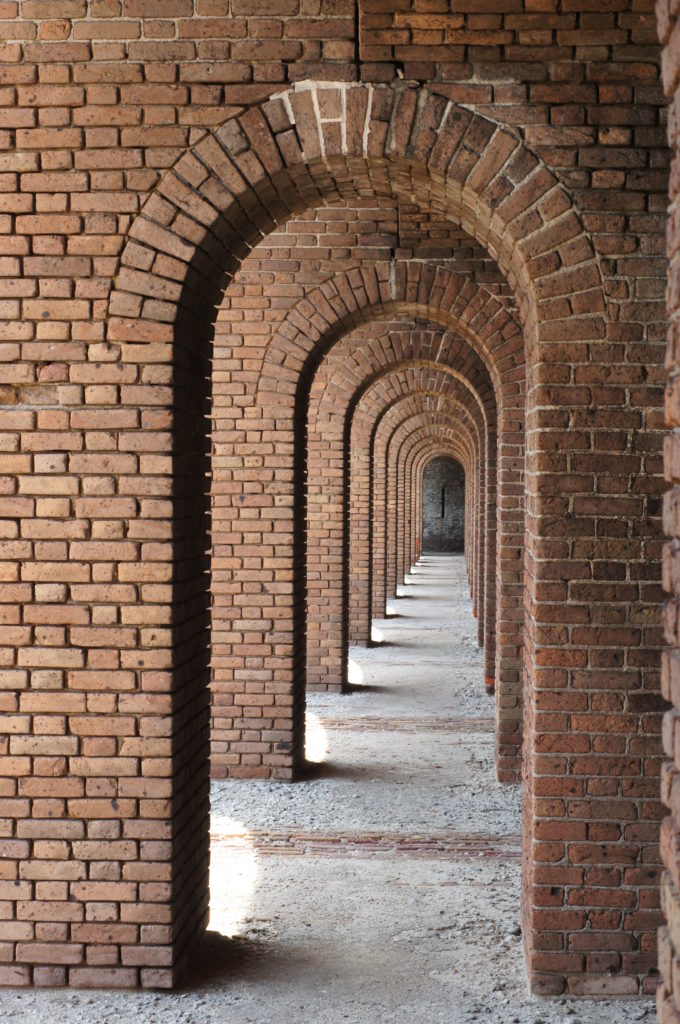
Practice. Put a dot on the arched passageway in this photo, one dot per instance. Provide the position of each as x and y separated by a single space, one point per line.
327 394
274 164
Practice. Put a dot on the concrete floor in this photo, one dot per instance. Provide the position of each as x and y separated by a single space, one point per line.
385 888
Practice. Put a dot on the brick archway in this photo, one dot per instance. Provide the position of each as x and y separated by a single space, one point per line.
415 422
425 465
448 299
197 201
206 212
421 461
331 438
376 409
427 452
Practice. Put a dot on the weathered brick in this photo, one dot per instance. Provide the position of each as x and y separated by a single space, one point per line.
107 316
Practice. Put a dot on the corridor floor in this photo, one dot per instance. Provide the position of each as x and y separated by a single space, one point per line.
384 887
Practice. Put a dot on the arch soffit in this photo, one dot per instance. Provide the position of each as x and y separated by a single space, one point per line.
421 432
432 350
431 456
374 294
385 427
453 419
240 181
427 449
443 375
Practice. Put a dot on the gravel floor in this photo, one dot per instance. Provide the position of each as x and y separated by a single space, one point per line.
385 888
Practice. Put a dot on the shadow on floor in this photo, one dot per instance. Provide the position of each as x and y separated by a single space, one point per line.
218 958
314 770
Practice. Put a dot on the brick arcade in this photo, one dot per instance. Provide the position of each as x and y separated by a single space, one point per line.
261 264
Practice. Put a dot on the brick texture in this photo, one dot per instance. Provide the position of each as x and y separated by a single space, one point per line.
443 505
668 997
258 269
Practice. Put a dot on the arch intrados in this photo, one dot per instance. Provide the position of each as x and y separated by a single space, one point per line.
503 243
208 209
409 432
423 444
418 426
403 407
418 430
405 443
407 449
409 342
485 398
314 181
432 457
426 452
393 409
304 365
402 381
451 332
397 369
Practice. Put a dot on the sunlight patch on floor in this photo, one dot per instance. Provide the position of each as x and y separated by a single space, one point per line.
355 673
316 739
233 875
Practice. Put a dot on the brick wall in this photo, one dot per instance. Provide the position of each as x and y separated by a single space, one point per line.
443 505
199 203
668 996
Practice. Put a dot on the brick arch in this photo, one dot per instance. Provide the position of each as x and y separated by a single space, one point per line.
424 457
410 434
388 490
424 454
235 184
428 450
200 203
415 416
391 397
372 491
410 451
385 289
508 574
329 431
279 158
360 355
492 334
362 441
345 376
415 435
345 367
368 590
